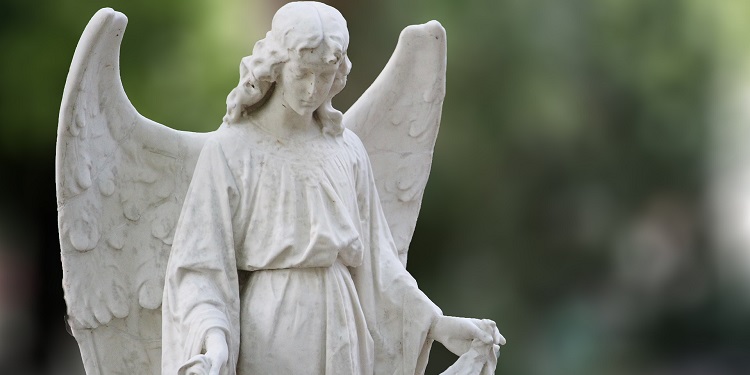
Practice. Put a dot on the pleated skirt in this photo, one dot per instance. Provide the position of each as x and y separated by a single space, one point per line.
303 321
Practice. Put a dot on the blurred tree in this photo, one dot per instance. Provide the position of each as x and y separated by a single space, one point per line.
567 191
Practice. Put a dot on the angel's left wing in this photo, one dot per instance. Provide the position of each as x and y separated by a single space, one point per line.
397 119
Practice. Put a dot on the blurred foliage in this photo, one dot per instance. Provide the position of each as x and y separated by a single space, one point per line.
567 197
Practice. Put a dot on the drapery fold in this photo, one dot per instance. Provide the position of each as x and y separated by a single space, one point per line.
345 293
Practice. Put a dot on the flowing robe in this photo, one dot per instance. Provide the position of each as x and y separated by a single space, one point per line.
283 245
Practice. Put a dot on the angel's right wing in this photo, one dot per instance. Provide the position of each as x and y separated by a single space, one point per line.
121 180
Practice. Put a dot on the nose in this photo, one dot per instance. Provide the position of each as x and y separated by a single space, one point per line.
311 86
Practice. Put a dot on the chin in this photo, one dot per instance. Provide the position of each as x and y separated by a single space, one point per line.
303 110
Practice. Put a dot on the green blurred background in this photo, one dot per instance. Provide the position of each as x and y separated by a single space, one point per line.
571 196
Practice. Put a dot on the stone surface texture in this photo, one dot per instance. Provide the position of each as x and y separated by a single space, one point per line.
275 244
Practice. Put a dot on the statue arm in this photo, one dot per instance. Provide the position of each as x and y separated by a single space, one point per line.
398 314
201 290
388 291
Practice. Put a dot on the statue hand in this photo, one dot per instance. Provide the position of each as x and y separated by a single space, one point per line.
456 334
217 350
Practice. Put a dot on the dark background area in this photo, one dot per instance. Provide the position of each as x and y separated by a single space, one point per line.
570 195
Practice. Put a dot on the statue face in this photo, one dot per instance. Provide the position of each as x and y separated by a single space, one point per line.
306 79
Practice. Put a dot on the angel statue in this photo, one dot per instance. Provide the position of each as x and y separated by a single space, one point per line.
275 244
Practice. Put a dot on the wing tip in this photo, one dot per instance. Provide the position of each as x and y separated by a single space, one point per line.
430 29
105 18
106 14
104 31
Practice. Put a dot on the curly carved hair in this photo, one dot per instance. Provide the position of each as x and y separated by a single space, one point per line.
296 26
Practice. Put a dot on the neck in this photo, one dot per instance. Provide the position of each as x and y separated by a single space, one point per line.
279 119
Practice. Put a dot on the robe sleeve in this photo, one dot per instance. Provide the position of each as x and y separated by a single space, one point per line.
201 287
398 314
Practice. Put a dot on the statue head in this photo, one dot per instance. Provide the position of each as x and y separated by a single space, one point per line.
297 28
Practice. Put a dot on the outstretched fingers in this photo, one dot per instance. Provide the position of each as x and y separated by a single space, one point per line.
491 327
478 331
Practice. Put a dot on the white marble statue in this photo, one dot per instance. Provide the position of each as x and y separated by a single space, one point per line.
274 245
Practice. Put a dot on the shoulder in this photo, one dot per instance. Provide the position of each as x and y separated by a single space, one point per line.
227 135
352 141
225 141
358 153
216 162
